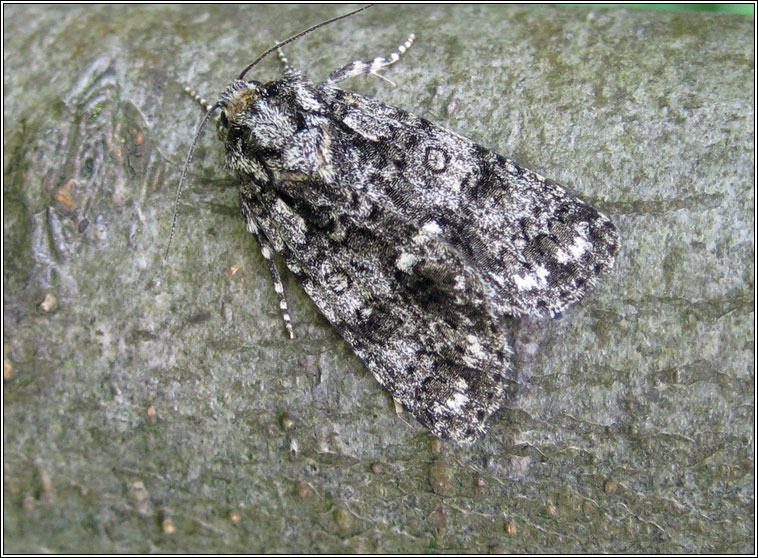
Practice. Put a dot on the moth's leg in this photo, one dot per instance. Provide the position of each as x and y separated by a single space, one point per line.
359 67
198 99
288 70
267 252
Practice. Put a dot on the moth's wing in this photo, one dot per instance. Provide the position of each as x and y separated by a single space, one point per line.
415 242
410 305
538 247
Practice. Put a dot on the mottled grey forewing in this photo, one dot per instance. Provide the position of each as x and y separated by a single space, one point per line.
414 242
538 247
410 305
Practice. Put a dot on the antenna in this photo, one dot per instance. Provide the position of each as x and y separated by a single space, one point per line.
205 120
297 36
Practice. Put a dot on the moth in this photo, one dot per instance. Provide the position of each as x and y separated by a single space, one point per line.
414 242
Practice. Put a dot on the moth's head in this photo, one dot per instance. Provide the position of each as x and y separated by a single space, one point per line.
233 102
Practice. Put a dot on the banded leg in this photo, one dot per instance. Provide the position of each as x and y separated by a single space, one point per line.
288 70
267 252
252 226
359 67
198 99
